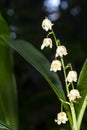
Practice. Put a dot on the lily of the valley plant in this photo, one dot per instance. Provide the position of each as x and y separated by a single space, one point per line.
73 100
70 75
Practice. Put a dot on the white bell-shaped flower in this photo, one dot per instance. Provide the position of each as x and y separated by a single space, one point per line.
72 76
46 42
73 95
47 24
55 65
60 51
61 118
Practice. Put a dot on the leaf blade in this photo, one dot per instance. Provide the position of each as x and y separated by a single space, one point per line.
8 95
35 58
5 126
82 87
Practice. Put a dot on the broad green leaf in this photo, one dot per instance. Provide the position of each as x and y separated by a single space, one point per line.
34 57
8 103
38 61
82 87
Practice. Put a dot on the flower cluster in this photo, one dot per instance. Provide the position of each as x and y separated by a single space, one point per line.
57 64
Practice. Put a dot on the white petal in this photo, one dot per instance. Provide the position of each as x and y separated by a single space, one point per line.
42 47
55 65
46 42
60 51
72 76
47 24
73 95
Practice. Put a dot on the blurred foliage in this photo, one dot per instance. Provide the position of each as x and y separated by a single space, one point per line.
8 95
36 110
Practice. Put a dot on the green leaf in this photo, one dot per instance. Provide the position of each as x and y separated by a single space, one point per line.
8 103
4 29
38 61
82 87
4 126
8 95
34 57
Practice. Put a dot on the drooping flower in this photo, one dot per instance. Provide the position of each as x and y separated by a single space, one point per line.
47 24
55 65
73 95
46 42
61 118
72 76
60 51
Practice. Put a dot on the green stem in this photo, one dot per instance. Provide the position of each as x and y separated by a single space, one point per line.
62 61
72 86
61 106
74 127
56 41
49 34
